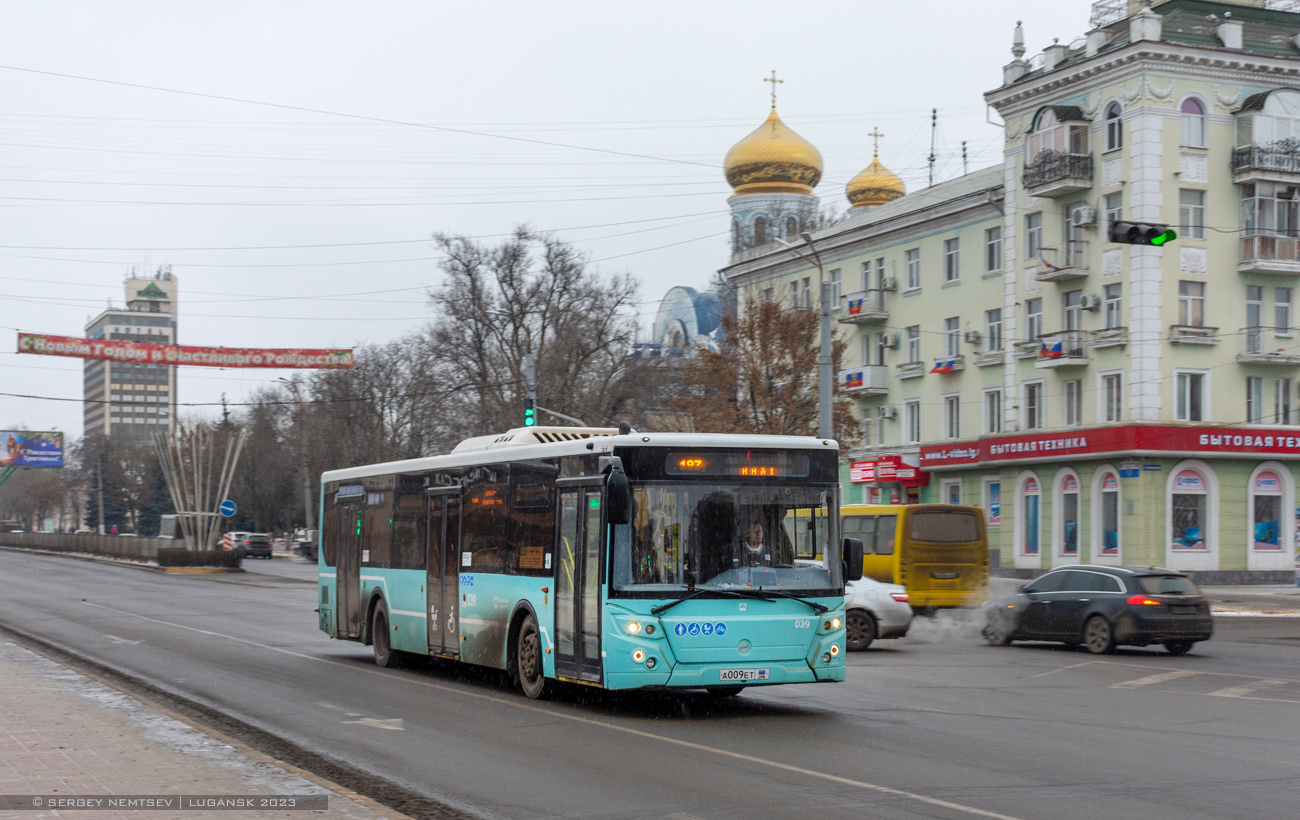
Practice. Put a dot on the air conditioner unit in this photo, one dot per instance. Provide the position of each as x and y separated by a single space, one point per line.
973 337
888 283
1090 301
1084 216
889 411
889 340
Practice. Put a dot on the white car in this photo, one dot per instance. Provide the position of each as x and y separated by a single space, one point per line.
875 610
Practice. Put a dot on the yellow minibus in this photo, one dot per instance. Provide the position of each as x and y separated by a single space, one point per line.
940 552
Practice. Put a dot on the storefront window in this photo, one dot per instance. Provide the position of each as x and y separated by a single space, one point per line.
1109 515
1267 511
1069 532
1030 532
1188 508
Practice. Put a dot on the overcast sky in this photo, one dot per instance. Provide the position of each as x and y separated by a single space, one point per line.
97 177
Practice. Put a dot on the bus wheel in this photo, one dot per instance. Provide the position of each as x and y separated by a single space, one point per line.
926 611
859 629
528 660
385 656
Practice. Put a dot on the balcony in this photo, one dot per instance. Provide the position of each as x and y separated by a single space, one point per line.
1270 254
864 306
1108 337
1193 335
909 370
1272 162
1053 174
866 381
949 364
1027 350
990 358
1264 345
1070 264
1065 348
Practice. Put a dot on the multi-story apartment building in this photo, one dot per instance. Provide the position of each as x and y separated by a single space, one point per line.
1104 402
125 401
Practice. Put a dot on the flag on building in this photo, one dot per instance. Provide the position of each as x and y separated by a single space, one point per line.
1052 347
1047 264
855 306
944 365
852 379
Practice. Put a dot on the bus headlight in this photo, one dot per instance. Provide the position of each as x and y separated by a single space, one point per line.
650 663
638 655
826 657
832 624
633 627
835 649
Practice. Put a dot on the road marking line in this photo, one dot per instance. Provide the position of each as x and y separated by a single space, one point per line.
550 713
1245 689
393 724
1063 668
1164 677
1199 672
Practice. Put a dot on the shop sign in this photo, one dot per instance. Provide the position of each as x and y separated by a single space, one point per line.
885 470
1189 481
862 472
1152 468
1268 482
1031 486
995 503
1071 484
1110 482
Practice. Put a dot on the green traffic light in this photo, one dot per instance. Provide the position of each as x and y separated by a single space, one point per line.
1167 236
529 417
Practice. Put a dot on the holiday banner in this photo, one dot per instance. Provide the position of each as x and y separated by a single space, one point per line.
24 448
144 353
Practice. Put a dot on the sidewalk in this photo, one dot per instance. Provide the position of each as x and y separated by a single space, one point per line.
63 734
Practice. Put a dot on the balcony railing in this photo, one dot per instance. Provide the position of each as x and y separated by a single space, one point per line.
1193 335
990 358
864 306
1027 350
1266 345
1064 348
1109 337
1270 254
909 370
1053 174
1065 263
867 380
1260 161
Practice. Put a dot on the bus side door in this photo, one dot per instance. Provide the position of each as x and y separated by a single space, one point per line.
577 585
442 583
348 582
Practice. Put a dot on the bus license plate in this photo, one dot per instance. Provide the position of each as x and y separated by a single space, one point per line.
742 674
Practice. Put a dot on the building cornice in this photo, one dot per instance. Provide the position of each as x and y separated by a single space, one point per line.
1196 61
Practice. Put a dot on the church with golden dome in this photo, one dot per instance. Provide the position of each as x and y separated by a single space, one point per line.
773 172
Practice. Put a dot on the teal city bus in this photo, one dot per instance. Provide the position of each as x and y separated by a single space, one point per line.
619 560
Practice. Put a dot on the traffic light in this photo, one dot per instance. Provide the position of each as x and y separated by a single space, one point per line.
1141 233
530 412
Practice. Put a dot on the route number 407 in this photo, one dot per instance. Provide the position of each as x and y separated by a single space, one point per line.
802 623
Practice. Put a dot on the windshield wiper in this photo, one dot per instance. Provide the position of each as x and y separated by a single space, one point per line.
781 594
695 593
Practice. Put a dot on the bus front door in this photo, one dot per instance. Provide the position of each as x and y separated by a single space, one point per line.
577 586
443 582
348 582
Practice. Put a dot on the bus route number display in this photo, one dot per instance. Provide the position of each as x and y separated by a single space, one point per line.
745 463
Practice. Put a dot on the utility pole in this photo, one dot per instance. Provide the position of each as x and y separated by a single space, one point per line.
302 454
825 378
934 125
99 480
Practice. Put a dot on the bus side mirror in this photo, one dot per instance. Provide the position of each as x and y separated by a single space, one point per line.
853 558
618 496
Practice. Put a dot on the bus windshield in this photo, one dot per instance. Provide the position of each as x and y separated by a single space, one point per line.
727 536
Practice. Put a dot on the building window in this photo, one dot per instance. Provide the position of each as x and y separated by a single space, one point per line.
1254 319
1270 209
1282 401
1059 137
807 293
880 273
1034 406
1114 127
769 294
1268 526
1073 315
992 499
992 250
760 230
912 265
1113 206
1073 396
912 421
1191 214
1112 306
1033 319
1282 311
1189 399
1192 131
1033 236
837 286
993 410
1112 396
1106 537
951 491
993 329
791 227
1191 303
952 416
1029 522
794 294
952 336
913 336
1067 528
951 260
1254 400
1188 510
866 276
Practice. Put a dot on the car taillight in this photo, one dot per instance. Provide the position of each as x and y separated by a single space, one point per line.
901 597
1142 600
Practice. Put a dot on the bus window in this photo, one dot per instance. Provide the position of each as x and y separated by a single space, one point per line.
485 522
945 527
886 528
862 527
532 521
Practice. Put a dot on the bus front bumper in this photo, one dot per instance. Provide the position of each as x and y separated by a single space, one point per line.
700 675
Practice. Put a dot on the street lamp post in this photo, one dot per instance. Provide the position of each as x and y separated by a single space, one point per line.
825 425
302 455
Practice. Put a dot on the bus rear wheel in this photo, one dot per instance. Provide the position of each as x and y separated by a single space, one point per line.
528 660
385 655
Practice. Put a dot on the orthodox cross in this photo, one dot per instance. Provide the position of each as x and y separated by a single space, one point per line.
875 132
773 81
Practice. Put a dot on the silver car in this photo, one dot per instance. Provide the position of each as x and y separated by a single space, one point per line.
875 610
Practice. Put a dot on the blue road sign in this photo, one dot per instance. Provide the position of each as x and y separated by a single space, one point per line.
227 508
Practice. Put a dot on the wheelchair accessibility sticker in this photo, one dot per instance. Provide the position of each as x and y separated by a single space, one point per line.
704 628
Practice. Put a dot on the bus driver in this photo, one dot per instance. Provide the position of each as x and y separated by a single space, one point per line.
754 553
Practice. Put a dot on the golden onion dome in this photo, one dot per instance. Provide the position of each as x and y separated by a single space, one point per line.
773 160
874 186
